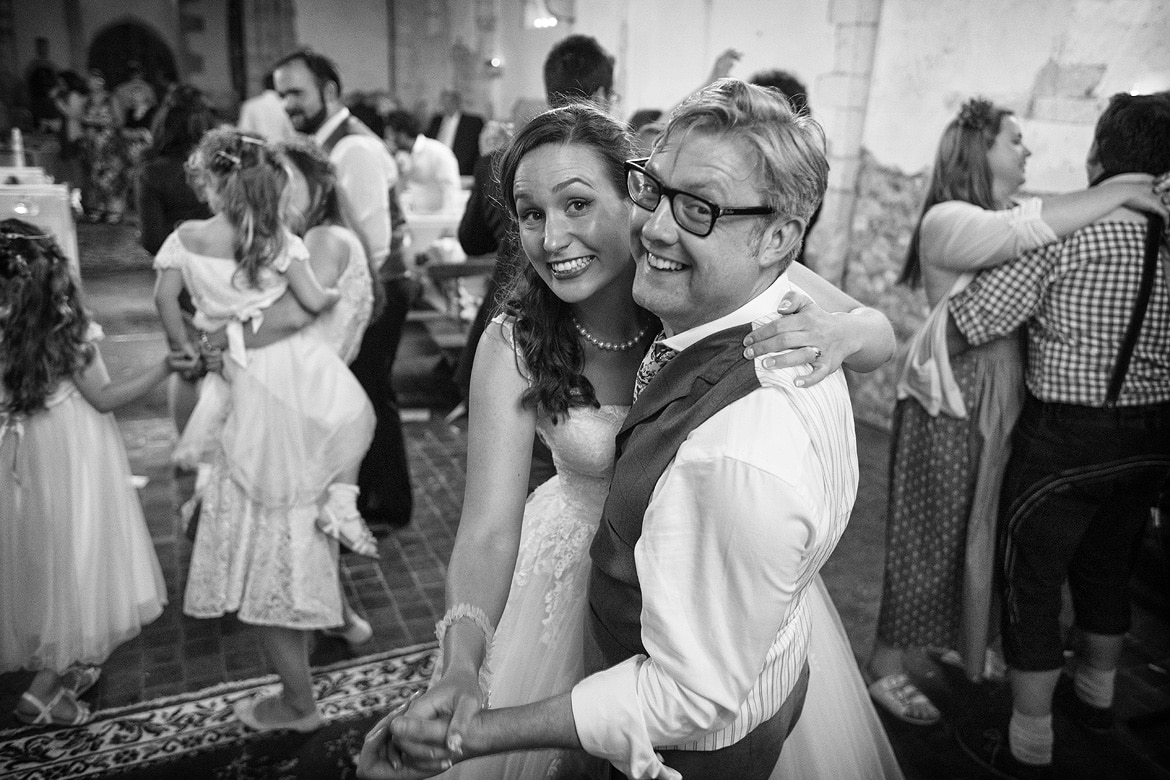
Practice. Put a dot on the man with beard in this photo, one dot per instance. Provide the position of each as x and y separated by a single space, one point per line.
310 86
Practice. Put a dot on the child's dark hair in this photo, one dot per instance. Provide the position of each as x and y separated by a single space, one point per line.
251 183
43 325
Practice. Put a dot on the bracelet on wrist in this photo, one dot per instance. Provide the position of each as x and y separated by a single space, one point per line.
472 614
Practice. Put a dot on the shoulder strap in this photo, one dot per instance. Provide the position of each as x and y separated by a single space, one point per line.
1154 229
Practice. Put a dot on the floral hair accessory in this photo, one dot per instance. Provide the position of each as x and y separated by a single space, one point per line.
977 114
13 255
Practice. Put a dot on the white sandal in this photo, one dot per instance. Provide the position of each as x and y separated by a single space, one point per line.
45 716
350 530
897 694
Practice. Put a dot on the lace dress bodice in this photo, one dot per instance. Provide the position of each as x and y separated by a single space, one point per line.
562 514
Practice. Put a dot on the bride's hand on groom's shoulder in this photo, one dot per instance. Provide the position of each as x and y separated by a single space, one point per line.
804 334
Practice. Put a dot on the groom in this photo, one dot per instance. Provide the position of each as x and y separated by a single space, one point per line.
731 486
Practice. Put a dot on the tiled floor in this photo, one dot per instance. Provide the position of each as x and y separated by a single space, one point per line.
402 595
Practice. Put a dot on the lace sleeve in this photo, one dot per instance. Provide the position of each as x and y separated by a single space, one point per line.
170 254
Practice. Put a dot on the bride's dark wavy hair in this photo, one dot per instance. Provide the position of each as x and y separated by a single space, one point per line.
544 333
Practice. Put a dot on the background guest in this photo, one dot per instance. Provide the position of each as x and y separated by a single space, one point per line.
69 98
792 88
646 128
429 168
954 418
310 85
456 130
103 195
264 115
165 198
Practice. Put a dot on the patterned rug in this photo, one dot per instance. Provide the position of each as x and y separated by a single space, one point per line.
196 735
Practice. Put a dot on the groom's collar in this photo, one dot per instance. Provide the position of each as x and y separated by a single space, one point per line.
762 305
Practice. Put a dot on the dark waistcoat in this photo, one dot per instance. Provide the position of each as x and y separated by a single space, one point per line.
685 393
395 263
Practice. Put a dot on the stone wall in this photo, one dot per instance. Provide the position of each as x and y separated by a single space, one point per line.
887 207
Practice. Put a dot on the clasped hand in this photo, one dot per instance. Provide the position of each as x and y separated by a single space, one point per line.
424 737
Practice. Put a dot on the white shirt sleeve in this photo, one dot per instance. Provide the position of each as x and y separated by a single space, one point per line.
961 236
365 174
721 553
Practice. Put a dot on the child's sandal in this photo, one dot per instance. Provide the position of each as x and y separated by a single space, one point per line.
349 530
79 678
45 710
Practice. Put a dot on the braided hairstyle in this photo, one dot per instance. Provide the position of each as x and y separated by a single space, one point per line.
248 182
43 325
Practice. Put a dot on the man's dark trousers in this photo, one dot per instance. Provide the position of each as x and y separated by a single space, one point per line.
384 479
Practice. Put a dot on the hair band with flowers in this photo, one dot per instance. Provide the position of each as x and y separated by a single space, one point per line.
16 264
977 114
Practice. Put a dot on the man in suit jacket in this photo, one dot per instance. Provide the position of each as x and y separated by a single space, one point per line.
731 486
456 130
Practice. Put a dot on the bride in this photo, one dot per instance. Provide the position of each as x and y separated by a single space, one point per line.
560 362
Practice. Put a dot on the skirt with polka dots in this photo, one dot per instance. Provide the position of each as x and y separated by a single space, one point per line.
938 465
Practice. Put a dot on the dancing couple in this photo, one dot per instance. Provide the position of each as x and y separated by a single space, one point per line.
652 605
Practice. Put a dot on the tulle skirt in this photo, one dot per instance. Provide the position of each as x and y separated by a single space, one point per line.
288 423
296 420
537 652
839 735
78 571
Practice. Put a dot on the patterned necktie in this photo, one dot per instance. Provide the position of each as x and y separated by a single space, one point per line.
658 356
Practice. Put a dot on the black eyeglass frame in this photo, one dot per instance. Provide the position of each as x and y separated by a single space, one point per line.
639 166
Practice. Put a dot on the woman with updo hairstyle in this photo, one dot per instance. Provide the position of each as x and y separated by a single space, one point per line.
953 418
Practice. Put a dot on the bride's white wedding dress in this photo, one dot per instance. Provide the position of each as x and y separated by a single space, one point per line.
537 649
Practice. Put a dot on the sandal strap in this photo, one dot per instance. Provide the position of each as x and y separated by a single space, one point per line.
904 691
45 715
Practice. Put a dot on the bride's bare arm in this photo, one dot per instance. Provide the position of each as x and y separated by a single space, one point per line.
499 451
827 328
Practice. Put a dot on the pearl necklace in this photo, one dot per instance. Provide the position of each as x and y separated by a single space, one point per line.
609 346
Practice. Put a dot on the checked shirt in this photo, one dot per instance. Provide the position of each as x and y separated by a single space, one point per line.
1076 297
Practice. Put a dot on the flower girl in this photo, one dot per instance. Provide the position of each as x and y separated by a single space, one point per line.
78 571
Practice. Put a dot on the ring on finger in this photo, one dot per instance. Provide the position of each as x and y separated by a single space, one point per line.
816 355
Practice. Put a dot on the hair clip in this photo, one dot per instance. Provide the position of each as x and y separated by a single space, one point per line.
247 139
231 159
25 236
976 114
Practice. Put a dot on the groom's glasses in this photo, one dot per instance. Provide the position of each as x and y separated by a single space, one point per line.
693 214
